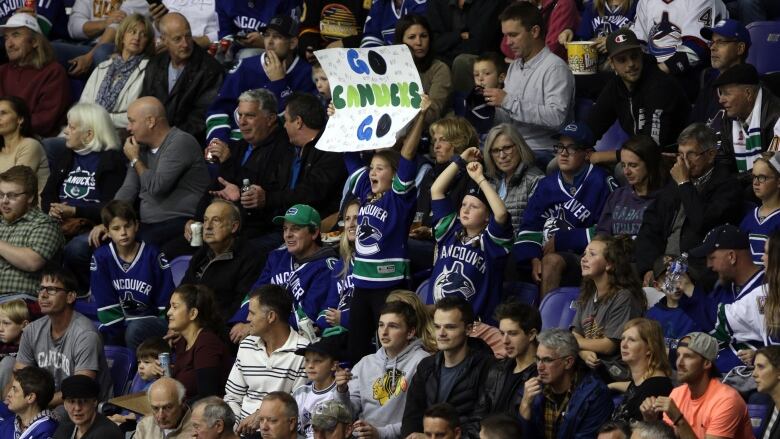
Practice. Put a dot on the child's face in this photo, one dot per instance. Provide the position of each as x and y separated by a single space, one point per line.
145 368
680 287
10 332
321 82
318 367
122 232
381 175
486 74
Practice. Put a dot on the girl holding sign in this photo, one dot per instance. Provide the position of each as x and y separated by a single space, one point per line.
387 200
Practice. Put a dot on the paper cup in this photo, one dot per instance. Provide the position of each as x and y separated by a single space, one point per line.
583 57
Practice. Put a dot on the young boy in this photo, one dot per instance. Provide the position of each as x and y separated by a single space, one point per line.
320 364
130 280
14 317
674 321
148 372
489 72
321 82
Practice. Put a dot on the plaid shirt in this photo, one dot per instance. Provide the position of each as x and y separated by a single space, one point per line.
553 410
34 230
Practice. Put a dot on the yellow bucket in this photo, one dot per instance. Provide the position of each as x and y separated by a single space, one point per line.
583 57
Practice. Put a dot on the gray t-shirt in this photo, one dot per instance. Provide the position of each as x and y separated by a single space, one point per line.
605 318
80 348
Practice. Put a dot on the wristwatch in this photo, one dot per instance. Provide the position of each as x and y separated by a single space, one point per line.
133 162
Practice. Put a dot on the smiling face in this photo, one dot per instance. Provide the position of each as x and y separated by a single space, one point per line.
81 411
19 44
628 65
443 149
418 40
515 340
767 376
300 241
393 333
381 175
254 122
593 263
134 40
350 221
634 168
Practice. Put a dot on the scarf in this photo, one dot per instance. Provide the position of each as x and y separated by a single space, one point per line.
747 145
119 72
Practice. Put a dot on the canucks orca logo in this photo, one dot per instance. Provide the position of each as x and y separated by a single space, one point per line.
130 304
453 281
367 232
665 36
554 223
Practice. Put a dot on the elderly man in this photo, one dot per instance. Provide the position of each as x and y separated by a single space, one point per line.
171 418
33 75
278 416
184 77
28 237
331 419
225 263
565 385
80 394
27 398
212 418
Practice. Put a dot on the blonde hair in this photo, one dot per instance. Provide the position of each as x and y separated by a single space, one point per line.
16 311
129 22
346 248
521 148
425 329
457 130
651 333
91 116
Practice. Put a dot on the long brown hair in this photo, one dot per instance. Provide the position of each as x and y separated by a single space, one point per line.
618 252
651 333
772 304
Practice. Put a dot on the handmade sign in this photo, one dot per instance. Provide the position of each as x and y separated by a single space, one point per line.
376 93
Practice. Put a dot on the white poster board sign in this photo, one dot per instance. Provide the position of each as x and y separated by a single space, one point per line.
376 93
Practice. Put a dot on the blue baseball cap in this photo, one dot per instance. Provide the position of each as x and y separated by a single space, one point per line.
579 132
727 28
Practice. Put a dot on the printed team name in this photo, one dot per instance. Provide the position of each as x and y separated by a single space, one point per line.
464 254
55 359
244 22
132 284
285 279
375 211
574 207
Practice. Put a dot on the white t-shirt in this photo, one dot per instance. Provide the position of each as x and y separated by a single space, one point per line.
200 13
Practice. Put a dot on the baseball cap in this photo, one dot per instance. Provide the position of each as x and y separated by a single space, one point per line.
472 188
79 387
579 132
284 24
328 413
701 343
722 237
22 20
739 74
301 214
620 41
324 346
727 28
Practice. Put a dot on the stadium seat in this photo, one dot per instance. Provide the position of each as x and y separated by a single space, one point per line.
121 363
613 139
524 292
757 413
422 291
765 46
179 267
558 307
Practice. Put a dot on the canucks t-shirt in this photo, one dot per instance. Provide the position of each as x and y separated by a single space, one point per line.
473 270
79 188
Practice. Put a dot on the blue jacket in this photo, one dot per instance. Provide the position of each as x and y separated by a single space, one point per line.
589 407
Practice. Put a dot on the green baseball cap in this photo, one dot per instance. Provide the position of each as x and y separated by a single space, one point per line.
301 214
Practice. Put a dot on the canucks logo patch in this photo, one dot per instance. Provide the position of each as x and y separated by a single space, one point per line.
451 281
368 236
130 304
665 36
79 184
554 223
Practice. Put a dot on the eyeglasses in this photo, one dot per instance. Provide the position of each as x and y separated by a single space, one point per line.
762 178
559 148
721 43
12 196
506 150
546 360
50 291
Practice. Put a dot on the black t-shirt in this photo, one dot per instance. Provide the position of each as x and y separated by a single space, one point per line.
628 409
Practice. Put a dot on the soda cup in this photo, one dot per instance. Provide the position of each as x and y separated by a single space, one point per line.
165 363
197 234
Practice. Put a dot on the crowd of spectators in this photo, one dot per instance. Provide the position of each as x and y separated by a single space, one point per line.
136 137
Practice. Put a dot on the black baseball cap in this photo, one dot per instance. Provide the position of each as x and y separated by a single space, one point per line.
284 24
324 346
726 237
738 74
620 41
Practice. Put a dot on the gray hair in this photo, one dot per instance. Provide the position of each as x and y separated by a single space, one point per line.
559 340
699 134
181 391
91 116
214 409
290 406
651 430
521 148
235 213
264 98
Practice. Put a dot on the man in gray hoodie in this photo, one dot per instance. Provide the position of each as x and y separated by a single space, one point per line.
381 380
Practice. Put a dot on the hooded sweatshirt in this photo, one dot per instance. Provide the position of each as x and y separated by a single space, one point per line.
378 392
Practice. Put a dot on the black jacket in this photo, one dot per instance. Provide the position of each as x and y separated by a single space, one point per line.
770 112
495 386
480 20
109 176
424 389
194 91
657 106
718 202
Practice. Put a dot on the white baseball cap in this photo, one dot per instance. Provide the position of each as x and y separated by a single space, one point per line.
22 20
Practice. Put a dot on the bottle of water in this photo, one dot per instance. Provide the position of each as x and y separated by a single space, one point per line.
677 268
245 186
305 325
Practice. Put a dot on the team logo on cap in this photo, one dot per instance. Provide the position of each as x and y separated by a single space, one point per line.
619 39
571 126
292 211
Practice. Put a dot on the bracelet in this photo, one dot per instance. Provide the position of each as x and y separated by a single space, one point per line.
481 181
458 160
679 418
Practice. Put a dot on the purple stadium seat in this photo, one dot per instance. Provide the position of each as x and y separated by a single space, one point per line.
178 267
765 46
557 307
121 362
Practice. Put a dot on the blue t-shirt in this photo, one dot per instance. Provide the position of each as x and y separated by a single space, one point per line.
79 187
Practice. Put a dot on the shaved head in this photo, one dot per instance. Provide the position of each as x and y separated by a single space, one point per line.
148 106
173 21
146 121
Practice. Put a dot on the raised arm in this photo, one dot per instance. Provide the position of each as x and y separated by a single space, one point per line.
443 181
409 150
497 206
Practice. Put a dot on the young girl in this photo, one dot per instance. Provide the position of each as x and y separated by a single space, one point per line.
760 222
387 200
472 244
610 296
336 312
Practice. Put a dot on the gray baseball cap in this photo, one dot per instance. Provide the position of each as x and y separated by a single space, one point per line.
701 343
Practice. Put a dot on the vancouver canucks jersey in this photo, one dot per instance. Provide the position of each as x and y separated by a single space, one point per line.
379 29
249 74
51 16
759 229
251 16
568 213
381 258
126 291
339 294
474 269
307 282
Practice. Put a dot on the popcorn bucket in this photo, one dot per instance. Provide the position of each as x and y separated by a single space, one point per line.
583 57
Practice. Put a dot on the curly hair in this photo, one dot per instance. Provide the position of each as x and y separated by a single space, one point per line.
618 252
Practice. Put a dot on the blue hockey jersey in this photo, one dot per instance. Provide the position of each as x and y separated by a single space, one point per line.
249 74
759 230
339 295
43 426
379 29
474 270
50 14
126 291
251 16
381 258
569 215
308 282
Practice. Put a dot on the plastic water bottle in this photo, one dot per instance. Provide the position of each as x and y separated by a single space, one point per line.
246 186
305 325
677 268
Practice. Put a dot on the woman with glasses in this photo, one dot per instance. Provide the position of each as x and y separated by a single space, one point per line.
761 221
18 145
510 169
643 350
